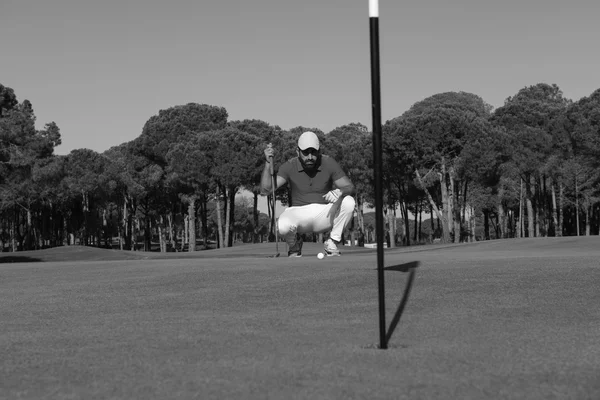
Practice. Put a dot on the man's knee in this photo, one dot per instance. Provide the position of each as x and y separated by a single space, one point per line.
286 226
348 203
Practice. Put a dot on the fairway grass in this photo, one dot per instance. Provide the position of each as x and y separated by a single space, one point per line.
510 319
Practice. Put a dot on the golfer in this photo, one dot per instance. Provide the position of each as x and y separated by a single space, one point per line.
321 195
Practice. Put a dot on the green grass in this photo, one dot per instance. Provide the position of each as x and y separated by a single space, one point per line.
514 319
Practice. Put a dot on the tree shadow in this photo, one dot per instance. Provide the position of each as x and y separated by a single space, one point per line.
18 259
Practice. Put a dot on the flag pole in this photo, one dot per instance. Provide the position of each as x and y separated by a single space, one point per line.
377 162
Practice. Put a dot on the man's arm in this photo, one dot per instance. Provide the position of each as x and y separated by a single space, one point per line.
345 185
265 180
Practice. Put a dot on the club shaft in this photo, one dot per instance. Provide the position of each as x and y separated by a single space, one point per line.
378 167
273 183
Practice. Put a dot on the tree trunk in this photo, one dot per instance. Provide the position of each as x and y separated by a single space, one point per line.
120 226
455 208
544 211
406 224
230 216
416 223
161 237
473 225
596 220
587 220
444 223
37 230
203 208
561 215
554 211
361 214
520 232
162 234
65 228
464 201
528 194
13 236
501 215
486 224
28 230
431 234
420 220
501 222
126 224
391 215
447 197
530 227
219 218
185 238
227 227
538 209
171 228
255 219
135 230
577 206
191 232
147 232
395 222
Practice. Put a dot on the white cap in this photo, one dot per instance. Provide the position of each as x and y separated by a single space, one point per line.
308 140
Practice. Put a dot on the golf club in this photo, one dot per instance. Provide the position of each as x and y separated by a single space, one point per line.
274 214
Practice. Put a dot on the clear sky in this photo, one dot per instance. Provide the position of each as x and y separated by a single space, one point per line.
101 68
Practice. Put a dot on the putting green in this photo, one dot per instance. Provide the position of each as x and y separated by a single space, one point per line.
503 319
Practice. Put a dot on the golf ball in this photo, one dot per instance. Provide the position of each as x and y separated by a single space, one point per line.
320 256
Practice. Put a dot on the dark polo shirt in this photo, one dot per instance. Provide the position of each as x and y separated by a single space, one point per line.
306 189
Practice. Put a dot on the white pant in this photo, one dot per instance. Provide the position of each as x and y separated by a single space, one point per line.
317 218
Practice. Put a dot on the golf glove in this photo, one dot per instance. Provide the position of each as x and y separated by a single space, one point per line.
333 195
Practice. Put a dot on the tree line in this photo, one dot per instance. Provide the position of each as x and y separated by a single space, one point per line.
526 169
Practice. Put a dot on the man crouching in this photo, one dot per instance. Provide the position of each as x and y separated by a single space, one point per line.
321 195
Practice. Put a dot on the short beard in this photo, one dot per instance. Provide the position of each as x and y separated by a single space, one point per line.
310 167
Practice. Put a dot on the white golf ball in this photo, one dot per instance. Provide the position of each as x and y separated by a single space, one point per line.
320 256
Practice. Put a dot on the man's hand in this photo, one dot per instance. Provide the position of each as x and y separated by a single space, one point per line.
333 195
269 152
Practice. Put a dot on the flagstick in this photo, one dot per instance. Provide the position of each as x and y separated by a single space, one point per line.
378 164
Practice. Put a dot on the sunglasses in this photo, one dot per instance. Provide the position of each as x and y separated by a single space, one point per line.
308 151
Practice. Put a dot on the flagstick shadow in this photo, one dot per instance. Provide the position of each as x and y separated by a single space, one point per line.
410 268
